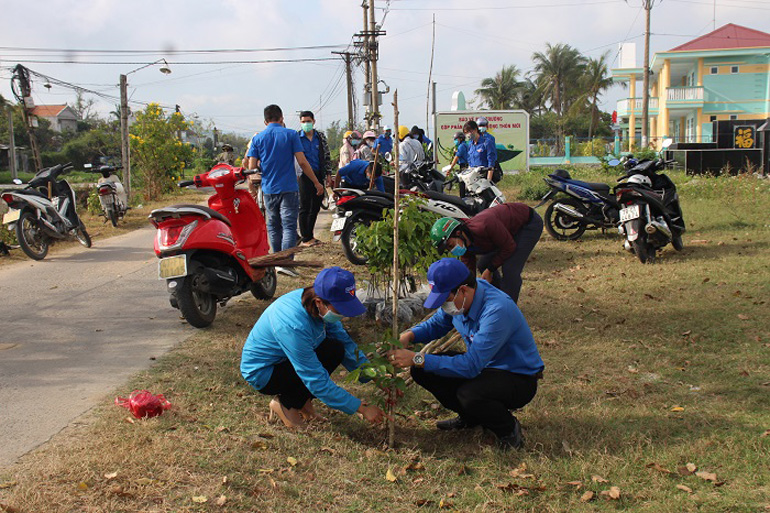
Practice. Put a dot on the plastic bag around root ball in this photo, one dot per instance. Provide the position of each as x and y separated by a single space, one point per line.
142 404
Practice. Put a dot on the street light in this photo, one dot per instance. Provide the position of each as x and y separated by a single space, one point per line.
125 148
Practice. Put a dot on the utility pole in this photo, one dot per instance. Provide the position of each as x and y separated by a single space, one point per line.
12 143
367 62
646 80
21 75
349 76
125 151
375 121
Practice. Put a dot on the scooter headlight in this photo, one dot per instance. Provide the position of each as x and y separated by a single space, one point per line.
174 237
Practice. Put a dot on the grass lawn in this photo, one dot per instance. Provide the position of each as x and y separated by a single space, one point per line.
656 398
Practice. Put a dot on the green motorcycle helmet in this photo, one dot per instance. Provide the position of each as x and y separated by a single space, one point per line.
442 230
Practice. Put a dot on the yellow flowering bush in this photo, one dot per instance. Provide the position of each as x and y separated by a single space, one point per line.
156 151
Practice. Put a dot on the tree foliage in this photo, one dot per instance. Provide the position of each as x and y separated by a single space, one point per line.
503 91
157 155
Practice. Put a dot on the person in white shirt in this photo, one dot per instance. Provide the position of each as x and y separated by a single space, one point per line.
409 150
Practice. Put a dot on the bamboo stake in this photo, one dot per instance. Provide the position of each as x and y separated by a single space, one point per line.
396 273
371 178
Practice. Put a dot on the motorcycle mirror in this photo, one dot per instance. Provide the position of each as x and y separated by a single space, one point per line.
667 143
388 157
88 166
613 162
17 181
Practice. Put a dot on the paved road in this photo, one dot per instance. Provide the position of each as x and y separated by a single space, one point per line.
74 327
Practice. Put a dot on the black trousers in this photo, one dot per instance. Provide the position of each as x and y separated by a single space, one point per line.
309 206
526 239
484 400
287 385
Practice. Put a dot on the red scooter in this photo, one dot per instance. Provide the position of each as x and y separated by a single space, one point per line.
204 251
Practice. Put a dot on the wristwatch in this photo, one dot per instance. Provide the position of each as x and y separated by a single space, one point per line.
418 360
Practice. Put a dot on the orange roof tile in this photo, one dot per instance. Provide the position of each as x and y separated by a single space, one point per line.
48 111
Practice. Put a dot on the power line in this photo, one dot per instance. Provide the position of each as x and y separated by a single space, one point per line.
169 51
532 6
177 63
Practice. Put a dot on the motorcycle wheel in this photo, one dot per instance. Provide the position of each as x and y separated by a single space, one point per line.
198 307
676 241
112 216
82 235
559 225
31 240
265 288
348 238
643 250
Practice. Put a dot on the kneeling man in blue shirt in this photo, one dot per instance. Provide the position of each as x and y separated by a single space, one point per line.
499 371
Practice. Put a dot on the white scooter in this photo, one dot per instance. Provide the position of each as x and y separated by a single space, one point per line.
480 193
112 194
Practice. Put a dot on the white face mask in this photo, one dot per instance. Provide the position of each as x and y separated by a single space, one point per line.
451 309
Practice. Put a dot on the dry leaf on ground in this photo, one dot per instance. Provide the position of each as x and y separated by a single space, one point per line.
677 408
200 499
708 476
691 467
613 493
743 317
586 497
390 476
7 484
111 475
82 486
292 461
598 479
221 500
684 488
576 484
766 433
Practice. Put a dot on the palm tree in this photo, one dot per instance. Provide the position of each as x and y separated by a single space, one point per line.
531 98
558 71
596 80
501 92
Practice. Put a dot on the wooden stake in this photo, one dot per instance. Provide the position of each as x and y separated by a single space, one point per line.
371 178
396 273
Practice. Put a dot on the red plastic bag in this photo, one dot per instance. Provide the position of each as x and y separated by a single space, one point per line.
143 404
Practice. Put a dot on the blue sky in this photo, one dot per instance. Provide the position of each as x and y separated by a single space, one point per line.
473 41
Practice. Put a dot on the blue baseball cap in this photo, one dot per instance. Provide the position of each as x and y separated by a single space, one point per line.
338 287
443 276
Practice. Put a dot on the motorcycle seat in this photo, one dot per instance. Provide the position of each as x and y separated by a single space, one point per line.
601 188
29 192
180 210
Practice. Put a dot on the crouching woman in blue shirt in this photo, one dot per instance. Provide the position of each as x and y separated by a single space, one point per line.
298 342
499 371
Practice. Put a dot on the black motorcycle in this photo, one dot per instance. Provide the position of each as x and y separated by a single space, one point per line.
650 214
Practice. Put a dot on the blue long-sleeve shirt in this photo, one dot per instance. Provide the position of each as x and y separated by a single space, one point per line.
495 333
354 175
482 152
462 153
285 331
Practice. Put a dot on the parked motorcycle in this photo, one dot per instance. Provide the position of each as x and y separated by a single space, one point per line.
650 215
204 252
356 208
44 212
112 195
577 206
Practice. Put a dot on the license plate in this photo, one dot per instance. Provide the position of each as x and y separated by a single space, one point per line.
338 224
629 213
11 216
172 267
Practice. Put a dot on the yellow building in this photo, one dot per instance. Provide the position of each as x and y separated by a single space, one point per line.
723 75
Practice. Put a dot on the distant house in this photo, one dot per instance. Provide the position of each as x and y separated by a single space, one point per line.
723 75
62 117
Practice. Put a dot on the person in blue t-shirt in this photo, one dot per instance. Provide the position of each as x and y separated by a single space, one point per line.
299 341
483 124
481 149
501 367
384 143
358 175
274 150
